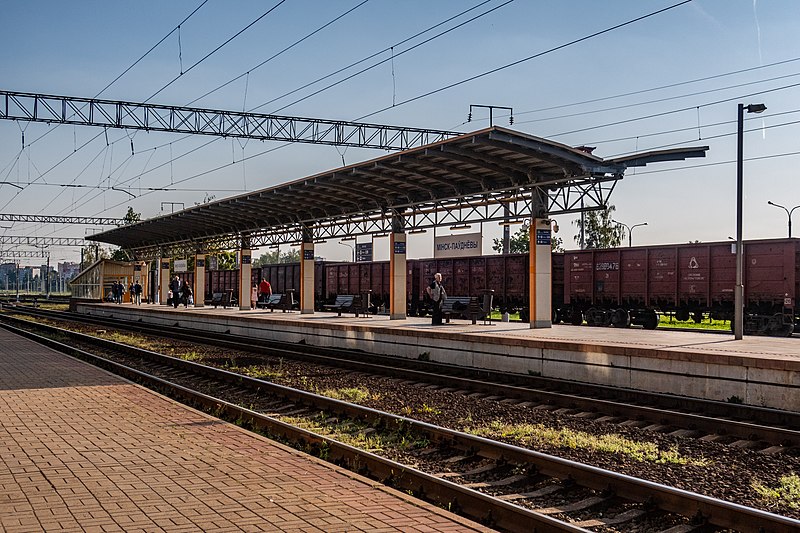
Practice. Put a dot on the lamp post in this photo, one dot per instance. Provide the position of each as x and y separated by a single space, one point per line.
630 230
738 293
353 250
788 213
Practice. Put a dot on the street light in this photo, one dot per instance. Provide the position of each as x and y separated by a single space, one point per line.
630 229
738 293
788 213
351 249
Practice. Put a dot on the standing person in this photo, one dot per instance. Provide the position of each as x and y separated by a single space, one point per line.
438 295
175 287
265 289
186 294
253 296
130 291
137 293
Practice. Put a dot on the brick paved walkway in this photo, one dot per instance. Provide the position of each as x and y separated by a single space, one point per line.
83 450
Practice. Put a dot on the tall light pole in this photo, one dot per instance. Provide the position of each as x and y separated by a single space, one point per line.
738 293
351 249
630 230
788 213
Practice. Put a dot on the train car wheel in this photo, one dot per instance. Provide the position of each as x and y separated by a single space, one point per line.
577 317
682 315
777 328
556 316
697 317
650 320
620 318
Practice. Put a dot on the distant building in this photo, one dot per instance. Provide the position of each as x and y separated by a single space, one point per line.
67 271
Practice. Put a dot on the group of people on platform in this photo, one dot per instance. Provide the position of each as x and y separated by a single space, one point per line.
134 289
260 293
179 292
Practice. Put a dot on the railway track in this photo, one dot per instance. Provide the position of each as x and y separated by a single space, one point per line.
756 428
507 487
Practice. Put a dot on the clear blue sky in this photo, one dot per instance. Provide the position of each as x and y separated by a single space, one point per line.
77 48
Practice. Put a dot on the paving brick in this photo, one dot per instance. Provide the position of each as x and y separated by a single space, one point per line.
83 450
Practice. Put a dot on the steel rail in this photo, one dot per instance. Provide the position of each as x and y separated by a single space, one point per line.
489 382
685 503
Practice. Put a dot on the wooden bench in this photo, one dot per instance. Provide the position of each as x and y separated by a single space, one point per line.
284 302
466 307
349 303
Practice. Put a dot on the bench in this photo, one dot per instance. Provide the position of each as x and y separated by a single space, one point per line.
349 303
222 298
284 302
466 307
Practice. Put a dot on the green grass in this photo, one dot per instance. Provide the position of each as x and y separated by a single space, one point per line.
787 492
533 435
670 322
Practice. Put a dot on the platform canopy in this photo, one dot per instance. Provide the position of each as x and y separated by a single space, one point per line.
494 174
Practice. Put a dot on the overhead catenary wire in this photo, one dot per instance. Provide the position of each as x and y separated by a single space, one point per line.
286 49
215 50
528 58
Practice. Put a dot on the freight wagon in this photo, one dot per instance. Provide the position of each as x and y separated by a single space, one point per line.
617 287
626 286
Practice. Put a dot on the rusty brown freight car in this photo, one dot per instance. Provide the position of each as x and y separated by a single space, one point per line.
634 285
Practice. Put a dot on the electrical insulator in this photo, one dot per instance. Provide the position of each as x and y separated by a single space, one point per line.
469 117
511 119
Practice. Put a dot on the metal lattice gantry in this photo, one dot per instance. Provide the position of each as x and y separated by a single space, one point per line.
43 241
489 175
51 219
23 254
52 109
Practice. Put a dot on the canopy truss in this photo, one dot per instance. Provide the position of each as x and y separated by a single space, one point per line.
489 175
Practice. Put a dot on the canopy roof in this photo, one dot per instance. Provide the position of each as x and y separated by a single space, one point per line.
491 165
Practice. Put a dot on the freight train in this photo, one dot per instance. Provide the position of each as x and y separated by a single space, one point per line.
617 287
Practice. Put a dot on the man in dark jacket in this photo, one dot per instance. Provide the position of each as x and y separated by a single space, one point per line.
175 287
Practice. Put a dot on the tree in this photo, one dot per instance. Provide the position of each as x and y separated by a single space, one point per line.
520 242
599 230
89 256
120 255
131 217
276 256
226 260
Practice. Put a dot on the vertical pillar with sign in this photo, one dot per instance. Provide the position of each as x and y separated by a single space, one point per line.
307 278
199 279
163 281
245 281
540 268
398 272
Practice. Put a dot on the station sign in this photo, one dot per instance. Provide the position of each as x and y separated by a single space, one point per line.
363 252
165 264
213 262
200 263
180 265
400 247
543 237
308 255
463 245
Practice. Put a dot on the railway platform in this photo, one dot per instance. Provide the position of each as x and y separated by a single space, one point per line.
83 450
763 371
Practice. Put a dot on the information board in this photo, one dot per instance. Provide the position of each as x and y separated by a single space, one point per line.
363 252
400 247
543 236
458 245
180 265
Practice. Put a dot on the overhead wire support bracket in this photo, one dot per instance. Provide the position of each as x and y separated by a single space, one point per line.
176 119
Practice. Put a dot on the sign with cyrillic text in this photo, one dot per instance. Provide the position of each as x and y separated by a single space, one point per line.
463 245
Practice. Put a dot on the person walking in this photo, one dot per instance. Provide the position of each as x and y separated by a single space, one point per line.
265 290
438 295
